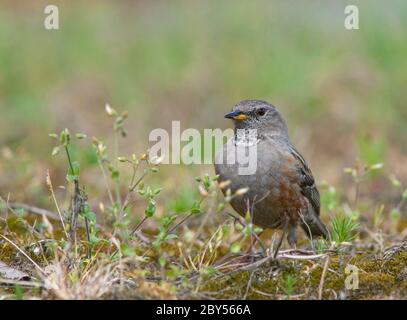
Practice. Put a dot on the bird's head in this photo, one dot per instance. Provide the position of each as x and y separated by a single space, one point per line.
259 115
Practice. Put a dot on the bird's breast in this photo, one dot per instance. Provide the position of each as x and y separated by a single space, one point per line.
272 193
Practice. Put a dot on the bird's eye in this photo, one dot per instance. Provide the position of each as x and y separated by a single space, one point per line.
261 112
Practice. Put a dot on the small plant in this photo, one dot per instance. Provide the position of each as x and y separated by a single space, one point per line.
289 285
344 229
79 206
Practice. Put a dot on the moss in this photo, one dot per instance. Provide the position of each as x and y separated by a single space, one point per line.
376 279
6 252
397 264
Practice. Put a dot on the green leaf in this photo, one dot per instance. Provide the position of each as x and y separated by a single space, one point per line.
151 207
115 174
65 137
258 230
235 247
170 236
55 150
221 206
210 271
90 215
149 192
110 111
73 173
94 239
80 136
196 208
18 292
167 220
157 191
395 182
206 182
376 166
53 135
19 212
162 261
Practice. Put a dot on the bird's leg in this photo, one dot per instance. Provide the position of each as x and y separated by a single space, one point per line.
280 241
292 237
254 240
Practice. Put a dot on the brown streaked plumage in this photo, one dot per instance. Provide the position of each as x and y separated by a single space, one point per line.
282 192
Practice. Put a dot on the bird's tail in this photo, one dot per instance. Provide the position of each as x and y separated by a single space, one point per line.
313 226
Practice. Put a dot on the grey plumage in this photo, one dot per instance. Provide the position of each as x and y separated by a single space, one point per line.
282 191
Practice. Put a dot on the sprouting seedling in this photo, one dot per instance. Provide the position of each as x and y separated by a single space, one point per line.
289 285
344 229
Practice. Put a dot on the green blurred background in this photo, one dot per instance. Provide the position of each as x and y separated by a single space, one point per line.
342 92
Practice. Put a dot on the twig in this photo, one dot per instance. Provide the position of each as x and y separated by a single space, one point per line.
132 187
252 266
51 189
33 209
264 293
321 283
88 237
300 257
179 223
249 285
257 264
109 192
30 284
138 226
280 241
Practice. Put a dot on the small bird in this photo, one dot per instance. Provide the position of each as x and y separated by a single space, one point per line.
281 192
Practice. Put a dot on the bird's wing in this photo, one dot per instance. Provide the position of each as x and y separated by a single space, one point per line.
306 180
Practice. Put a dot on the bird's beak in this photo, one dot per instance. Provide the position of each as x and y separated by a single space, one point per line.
236 115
